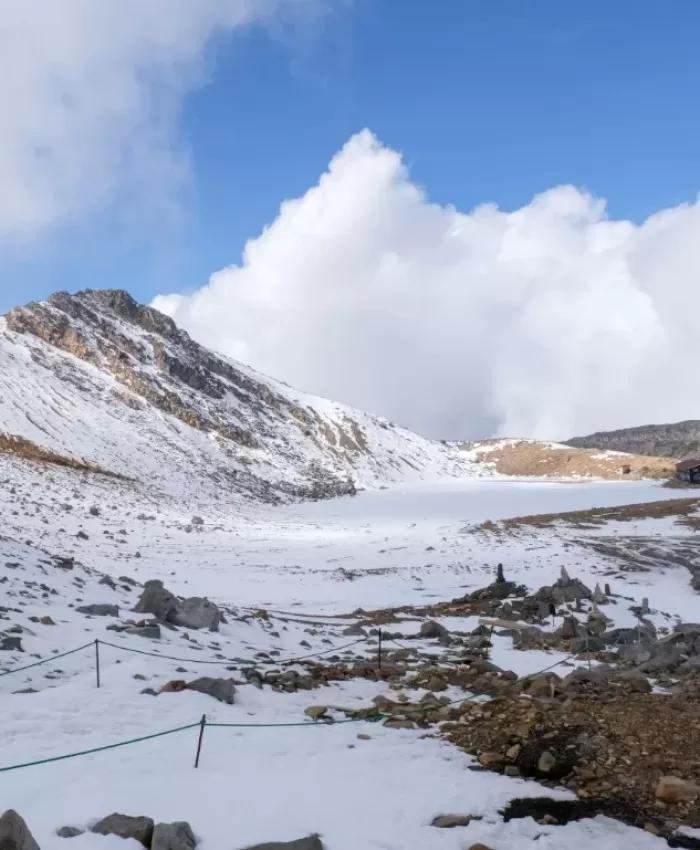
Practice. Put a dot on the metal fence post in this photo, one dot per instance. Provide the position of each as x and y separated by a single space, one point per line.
97 661
202 724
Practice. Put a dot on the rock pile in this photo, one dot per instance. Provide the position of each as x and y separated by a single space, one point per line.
621 747
193 613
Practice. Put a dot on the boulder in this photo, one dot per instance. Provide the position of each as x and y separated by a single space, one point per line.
223 690
313 842
572 590
451 821
529 638
69 832
14 833
156 600
99 610
11 644
672 790
173 836
590 643
193 613
431 629
196 613
125 826
151 631
623 636
355 631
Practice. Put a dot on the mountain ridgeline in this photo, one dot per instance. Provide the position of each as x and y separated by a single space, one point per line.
96 381
677 440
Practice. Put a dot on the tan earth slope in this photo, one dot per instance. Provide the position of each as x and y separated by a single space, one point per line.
554 460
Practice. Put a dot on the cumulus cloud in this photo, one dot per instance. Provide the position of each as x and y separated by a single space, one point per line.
546 321
90 91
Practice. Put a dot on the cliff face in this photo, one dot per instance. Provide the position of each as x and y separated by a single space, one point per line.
101 379
678 440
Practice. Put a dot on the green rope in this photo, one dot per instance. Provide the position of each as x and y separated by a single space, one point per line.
231 662
45 660
99 749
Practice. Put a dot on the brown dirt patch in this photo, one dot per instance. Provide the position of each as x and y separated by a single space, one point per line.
532 458
20 446
616 747
683 509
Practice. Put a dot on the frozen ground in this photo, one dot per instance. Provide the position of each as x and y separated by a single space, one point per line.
313 561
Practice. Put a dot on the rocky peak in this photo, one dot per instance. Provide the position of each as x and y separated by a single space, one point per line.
102 349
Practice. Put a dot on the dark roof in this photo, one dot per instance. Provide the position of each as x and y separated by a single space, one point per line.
690 463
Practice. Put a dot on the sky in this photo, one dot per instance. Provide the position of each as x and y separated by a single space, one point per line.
476 217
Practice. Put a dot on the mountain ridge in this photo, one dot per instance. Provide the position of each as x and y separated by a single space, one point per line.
97 377
675 440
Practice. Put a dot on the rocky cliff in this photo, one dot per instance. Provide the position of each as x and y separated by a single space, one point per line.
678 440
98 380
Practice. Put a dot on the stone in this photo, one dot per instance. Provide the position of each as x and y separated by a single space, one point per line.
14 833
99 610
312 842
490 759
546 762
529 638
69 832
587 644
598 596
451 821
151 631
173 836
315 712
223 690
478 846
436 684
431 629
47 621
156 600
399 723
11 644
355 631
109 581
196 613
545 685
673 790
125 826
196 520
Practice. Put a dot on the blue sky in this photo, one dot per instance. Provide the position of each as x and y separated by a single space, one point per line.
487 101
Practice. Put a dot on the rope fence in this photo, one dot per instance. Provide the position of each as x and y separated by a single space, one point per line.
203 723
221 663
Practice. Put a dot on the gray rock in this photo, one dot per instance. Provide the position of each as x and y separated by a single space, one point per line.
99 610
196 613
572 590
156 600
664 657
587 644
355 631
223 690
529 638
601 673
152 631
125 826
14 833
598 596
69 832
431 629
11 644
622 636
196 520
173 836
313 842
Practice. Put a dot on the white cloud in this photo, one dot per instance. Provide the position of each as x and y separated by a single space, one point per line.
546 321
90 91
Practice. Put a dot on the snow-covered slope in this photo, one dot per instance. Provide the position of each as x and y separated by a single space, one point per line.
99 378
